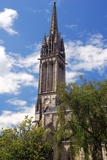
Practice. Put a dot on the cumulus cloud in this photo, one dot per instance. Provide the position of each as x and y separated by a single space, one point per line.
9 118
71 76
11 83
5 61
21 109
30 62
88 56
7 18
17 71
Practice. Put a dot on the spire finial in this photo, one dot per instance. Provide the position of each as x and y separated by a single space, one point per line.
54 24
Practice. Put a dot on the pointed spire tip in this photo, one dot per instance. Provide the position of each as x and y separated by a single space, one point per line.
54 3
54 24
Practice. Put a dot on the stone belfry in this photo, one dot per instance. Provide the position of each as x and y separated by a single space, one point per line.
51 70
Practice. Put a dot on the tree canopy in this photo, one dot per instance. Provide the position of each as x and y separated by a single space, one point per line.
25 142
86 129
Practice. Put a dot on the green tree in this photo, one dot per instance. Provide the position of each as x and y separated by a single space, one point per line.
87 127
25 142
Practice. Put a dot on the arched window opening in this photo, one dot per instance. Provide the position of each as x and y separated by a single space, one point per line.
44 76
50 76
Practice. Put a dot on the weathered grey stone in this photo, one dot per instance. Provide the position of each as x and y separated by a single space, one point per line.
51 71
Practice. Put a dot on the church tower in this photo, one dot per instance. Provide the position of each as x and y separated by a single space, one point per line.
51 69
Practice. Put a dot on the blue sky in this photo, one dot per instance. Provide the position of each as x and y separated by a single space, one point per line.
83 25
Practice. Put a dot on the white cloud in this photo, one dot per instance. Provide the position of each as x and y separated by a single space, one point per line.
7 18
30 62
17 71
16 102
9 118
11 83
96 39
71 76
86 57
72 26
5 61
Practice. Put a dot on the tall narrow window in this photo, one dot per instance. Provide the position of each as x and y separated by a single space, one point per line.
50 76
44 76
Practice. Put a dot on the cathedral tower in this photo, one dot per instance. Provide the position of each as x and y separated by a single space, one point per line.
51 69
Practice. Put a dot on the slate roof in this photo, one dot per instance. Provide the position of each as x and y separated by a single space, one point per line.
50 109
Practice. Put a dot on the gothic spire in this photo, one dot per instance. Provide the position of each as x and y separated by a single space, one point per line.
54 24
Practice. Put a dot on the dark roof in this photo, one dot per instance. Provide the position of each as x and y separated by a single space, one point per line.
50 109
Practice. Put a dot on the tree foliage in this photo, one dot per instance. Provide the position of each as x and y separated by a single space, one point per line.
25 142
87 126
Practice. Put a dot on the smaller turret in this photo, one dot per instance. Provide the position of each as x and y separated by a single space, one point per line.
62 49
44 48
44 43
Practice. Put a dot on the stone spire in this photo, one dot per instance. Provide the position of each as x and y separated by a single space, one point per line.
53 44
54 24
